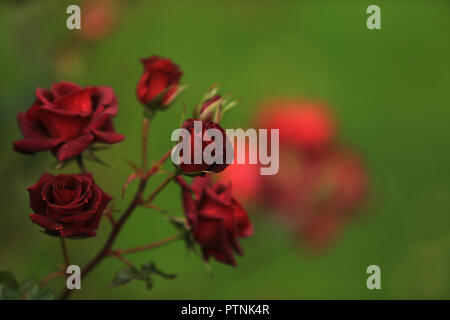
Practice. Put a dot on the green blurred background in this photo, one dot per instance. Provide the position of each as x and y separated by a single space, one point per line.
389 88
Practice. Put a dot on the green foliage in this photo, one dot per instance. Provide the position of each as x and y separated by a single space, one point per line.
145 274
10 289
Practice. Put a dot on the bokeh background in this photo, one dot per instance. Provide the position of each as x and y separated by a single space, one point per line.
389 89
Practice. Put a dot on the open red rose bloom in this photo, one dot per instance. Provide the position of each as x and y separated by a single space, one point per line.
217 219
67 205
67 119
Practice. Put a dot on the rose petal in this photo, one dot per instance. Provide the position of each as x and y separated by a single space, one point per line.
36 202
45 222
32 145
108 137
64 88
73 147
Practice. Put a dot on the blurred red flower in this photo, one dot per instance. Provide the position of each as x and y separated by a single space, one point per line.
309 126
98 18
319 184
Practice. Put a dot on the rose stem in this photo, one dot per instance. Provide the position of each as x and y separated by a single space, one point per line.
64 251
50 276
145 128
134 203
152 196
80 163
148 246
117 255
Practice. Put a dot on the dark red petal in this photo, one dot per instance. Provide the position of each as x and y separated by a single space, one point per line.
141 89
106 98
78 101
36 202
73 147
64 88
76 230
211 234
244 227
65 126
31 145
45 222
45 96
30 128
199 186
95 221
108 137
189 207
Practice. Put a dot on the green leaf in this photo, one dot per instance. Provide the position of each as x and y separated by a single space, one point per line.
8 293
7 278
125 275
133 165
29 289
150 268
88 154
39 294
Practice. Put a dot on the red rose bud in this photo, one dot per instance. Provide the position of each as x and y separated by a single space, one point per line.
209 108
159 84
67 119
67 205
196 140
216 218
212 107
306 125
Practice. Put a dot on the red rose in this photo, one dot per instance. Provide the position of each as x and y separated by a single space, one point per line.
67 119
309 126
216 218
99 18
317 196
67 205
246 177
192 167
161 77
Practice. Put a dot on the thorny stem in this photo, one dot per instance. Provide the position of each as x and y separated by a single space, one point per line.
145 128
148 246
137 199
117 255
153 195
50 276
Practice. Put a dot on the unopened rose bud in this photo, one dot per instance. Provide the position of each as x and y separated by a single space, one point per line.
209 108
203 148
159 85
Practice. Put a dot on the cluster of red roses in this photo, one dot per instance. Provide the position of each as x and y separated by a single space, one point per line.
320 183
69 120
